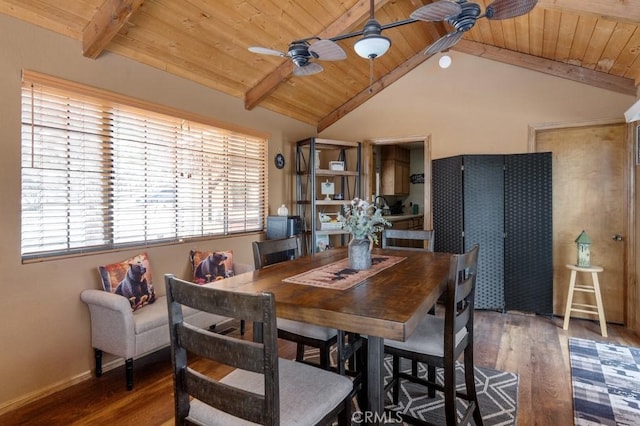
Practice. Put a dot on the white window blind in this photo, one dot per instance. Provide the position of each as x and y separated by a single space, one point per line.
99 174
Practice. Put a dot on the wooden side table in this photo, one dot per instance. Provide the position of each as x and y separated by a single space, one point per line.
598 308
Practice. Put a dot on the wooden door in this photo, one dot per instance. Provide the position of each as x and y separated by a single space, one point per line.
589 193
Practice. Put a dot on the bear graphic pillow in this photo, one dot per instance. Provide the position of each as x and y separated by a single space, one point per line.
130 278
211 266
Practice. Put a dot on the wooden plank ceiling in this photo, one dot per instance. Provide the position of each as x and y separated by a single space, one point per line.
596 42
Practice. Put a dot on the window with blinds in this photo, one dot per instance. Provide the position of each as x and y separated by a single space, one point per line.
100 174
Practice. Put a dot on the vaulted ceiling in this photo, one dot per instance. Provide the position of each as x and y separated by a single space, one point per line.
596 42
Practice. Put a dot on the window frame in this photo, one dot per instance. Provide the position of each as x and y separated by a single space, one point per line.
105 97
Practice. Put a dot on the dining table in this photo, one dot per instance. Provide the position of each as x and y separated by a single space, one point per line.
387 304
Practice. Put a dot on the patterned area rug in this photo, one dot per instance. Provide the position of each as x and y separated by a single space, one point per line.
606 383
339 276
497 395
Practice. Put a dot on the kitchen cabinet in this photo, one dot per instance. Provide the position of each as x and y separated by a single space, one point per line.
328 175
503 203
394 174
406 221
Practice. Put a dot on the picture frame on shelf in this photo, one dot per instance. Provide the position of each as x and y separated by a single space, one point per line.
322 242
328 189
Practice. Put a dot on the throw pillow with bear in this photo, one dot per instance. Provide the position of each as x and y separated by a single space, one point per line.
130 278
211 266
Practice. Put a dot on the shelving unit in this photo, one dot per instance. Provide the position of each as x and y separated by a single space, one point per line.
312 169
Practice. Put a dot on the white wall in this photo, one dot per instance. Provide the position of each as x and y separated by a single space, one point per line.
476 106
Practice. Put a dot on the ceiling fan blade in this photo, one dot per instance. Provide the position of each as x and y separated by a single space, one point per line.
309 69
327 50
505 9
266 51
445 42
436 11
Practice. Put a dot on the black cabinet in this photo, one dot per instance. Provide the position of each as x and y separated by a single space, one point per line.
282 227
503 203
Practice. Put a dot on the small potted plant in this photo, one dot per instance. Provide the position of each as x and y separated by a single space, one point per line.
363 220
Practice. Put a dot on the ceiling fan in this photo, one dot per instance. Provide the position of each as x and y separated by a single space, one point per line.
460 14
301 52
370 46
466 15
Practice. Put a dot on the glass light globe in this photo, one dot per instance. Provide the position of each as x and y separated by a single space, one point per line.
372 46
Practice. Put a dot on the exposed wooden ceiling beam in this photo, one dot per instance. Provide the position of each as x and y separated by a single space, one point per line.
555 68
615 10
105 24
267 85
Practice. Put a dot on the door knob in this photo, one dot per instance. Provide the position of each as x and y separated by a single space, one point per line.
617 237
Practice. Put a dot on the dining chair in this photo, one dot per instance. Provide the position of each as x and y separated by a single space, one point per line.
302 334
438 341
427 237
262 388
407 234
269 252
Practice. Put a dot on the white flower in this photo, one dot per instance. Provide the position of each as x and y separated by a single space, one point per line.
362 219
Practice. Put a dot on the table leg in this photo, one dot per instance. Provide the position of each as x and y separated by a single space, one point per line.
375 379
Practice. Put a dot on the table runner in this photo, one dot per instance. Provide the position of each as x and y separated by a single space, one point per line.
339 276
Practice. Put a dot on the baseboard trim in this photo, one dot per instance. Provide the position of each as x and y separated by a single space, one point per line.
41 393
55 387
223 327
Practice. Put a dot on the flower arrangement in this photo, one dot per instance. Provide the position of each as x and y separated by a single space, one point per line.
362 220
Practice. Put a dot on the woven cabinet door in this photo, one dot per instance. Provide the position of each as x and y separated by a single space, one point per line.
529 233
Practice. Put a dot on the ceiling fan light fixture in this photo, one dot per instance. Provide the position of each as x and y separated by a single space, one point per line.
372 46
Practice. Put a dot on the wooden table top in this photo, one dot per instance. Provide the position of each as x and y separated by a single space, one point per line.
389 304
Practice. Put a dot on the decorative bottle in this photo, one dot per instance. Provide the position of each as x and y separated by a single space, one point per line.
283 210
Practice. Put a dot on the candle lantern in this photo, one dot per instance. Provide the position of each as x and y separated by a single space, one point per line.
583 242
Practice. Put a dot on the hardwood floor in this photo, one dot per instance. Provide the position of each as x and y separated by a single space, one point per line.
535 347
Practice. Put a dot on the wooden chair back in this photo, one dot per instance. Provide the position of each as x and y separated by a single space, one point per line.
460 299
257 357
425 235
263 249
